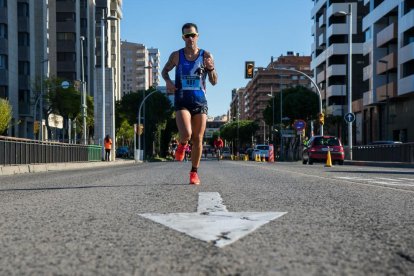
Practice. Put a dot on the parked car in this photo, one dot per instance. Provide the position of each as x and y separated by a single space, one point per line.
261 149
123 152
225 153
317 150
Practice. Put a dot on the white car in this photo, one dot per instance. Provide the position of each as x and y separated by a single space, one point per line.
261 149
225 153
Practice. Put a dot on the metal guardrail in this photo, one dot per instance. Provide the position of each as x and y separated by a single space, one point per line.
385 153
15 151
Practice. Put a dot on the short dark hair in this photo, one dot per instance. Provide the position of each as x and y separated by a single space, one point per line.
189 25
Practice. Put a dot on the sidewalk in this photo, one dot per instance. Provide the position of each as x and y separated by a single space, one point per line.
34 168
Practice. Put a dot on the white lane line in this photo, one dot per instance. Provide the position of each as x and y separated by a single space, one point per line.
391 181
275 169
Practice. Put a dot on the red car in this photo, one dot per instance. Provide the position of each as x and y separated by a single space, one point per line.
317 150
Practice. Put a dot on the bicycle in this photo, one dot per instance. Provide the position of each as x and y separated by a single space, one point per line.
218 153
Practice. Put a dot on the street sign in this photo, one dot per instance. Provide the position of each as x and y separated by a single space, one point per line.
349 117
65 84
299 124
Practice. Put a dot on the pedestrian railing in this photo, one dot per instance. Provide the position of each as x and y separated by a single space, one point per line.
386 153
14 151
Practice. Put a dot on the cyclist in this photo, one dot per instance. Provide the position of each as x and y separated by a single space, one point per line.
218 146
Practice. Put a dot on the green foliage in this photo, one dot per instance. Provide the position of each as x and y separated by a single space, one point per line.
64 102
158 112
125 133
298 103
5 115
246 128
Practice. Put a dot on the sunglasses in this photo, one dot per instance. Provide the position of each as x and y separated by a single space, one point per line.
190 35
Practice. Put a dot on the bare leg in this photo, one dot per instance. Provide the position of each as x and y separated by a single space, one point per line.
198 123
183 120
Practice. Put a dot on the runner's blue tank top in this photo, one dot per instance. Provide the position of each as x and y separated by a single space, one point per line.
190 80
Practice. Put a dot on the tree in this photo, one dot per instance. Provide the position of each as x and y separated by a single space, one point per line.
246 128
158 111
298 103
125 133
5 115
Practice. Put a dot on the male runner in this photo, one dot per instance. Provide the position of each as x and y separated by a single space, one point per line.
192 65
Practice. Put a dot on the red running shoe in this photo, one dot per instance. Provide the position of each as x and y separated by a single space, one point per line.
180 152
194 180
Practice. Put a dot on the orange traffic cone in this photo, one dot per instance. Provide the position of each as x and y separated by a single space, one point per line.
328 159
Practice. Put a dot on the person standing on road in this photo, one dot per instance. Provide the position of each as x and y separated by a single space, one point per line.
108 147
218 146
192 66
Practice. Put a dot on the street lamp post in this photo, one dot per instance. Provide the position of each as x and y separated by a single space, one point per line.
349 15
387 102
82 38
41 99
139 122
103 19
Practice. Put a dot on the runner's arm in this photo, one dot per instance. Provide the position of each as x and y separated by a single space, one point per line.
209 65
171 63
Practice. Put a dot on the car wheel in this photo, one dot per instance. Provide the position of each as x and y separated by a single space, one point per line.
341 162
310 161
304 161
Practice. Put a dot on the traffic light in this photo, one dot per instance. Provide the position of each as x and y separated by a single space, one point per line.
321 118
140 129
248 69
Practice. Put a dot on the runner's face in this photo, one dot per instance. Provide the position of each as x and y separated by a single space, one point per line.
190 36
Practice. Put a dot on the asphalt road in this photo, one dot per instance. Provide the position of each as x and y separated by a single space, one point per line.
343 220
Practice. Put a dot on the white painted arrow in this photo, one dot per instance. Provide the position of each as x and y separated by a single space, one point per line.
213 223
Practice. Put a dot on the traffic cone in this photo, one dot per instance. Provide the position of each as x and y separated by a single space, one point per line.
264 158
328 159
257 157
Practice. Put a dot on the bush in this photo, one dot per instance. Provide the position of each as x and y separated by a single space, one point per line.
5 115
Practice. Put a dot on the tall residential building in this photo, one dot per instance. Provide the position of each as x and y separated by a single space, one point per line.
68 22
389 71
137 67
330 53
154 56
273 79
22 53
108 13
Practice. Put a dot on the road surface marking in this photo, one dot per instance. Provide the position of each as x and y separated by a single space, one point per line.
212 222
378 180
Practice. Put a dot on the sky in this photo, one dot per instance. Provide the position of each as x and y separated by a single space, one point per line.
234 31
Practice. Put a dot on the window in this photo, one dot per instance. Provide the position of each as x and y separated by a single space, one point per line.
24 39
24 68
3 62
3 3
65 16
4 91
22 9
66 36
3 31
66 56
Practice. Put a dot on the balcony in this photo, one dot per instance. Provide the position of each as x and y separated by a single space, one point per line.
336 70
3 15
406 53
336 110
337 29
406 85
321 21
335 90
391 63
321 40
387 35
368 98
4 77
4 46
385 90
367 47
320 77
367 72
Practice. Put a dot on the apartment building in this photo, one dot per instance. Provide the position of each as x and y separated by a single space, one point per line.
273 79
154 57
330 55
237 110
22 51
389 70
137 67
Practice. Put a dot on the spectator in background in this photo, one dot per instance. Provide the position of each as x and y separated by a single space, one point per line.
108 147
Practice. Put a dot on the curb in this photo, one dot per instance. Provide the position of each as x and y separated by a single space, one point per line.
35 168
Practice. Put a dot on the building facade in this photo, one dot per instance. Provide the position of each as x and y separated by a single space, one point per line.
382 66
272 79
389 71
154 57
